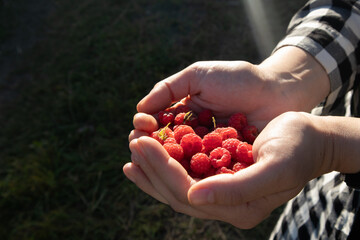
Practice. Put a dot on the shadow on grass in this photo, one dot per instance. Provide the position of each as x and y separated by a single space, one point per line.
64 139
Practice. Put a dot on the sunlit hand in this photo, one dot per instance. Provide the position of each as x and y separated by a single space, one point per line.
288 153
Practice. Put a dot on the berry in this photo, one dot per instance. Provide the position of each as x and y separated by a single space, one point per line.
205 118
162 134
175 151
200 163
250 133
231 145
165 117
185 163
211 141
182 130
201 131
170 140
220 157
239 166
188 118
181 109
237 121
191 144
211 172
224 170
244 153
227 132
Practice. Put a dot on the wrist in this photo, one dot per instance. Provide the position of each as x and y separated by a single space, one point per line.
297 77
342 140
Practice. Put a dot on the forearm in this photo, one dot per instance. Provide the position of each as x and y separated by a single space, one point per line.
342 143
296 77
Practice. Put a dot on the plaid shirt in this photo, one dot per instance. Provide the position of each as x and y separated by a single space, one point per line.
329 30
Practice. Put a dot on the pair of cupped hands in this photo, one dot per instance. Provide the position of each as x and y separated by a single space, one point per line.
287 152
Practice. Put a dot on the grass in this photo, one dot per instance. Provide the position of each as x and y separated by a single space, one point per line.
63 140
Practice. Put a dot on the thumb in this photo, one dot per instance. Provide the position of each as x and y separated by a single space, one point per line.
171 89
257 181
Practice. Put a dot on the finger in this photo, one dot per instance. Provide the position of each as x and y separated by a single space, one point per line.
167 176
145 122
172 89
258 180
136 134
249 214
137 176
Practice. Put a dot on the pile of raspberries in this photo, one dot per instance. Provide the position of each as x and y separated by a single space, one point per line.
202 146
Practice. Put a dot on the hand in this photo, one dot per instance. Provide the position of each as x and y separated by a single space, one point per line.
288 153
261 92
289 80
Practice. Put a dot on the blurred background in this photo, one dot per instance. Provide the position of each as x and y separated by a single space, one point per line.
71 74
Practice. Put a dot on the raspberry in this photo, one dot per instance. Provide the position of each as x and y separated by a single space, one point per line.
238 121
244 153
162 134
239 166
165 117
220 157
224 170
182 130
211 141
175 151
181 109
201 131
205 118
220 125
231 145
211 172
191 144
188 118
250 133
200 163
227 132
170 140
186 164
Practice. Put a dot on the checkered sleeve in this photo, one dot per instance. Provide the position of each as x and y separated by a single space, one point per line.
330 31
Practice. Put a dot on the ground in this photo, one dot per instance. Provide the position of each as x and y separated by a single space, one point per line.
71 73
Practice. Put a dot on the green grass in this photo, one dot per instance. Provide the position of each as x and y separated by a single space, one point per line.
63 139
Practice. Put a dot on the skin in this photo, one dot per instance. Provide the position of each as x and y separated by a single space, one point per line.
292 148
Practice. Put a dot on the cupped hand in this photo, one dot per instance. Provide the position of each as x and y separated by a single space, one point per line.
288 153
225 87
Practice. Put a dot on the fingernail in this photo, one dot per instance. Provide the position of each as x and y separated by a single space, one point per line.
202 196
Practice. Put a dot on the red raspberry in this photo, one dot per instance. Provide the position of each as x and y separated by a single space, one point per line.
211 141
250 133
181 109
220 157
238 121
200 163
224 170
231 145
244 153
205 118
165 117
185 163
211 172
239 166
170 140
162 134
201 131
175 150
188 118
221 125
227 132
182 130
191 144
